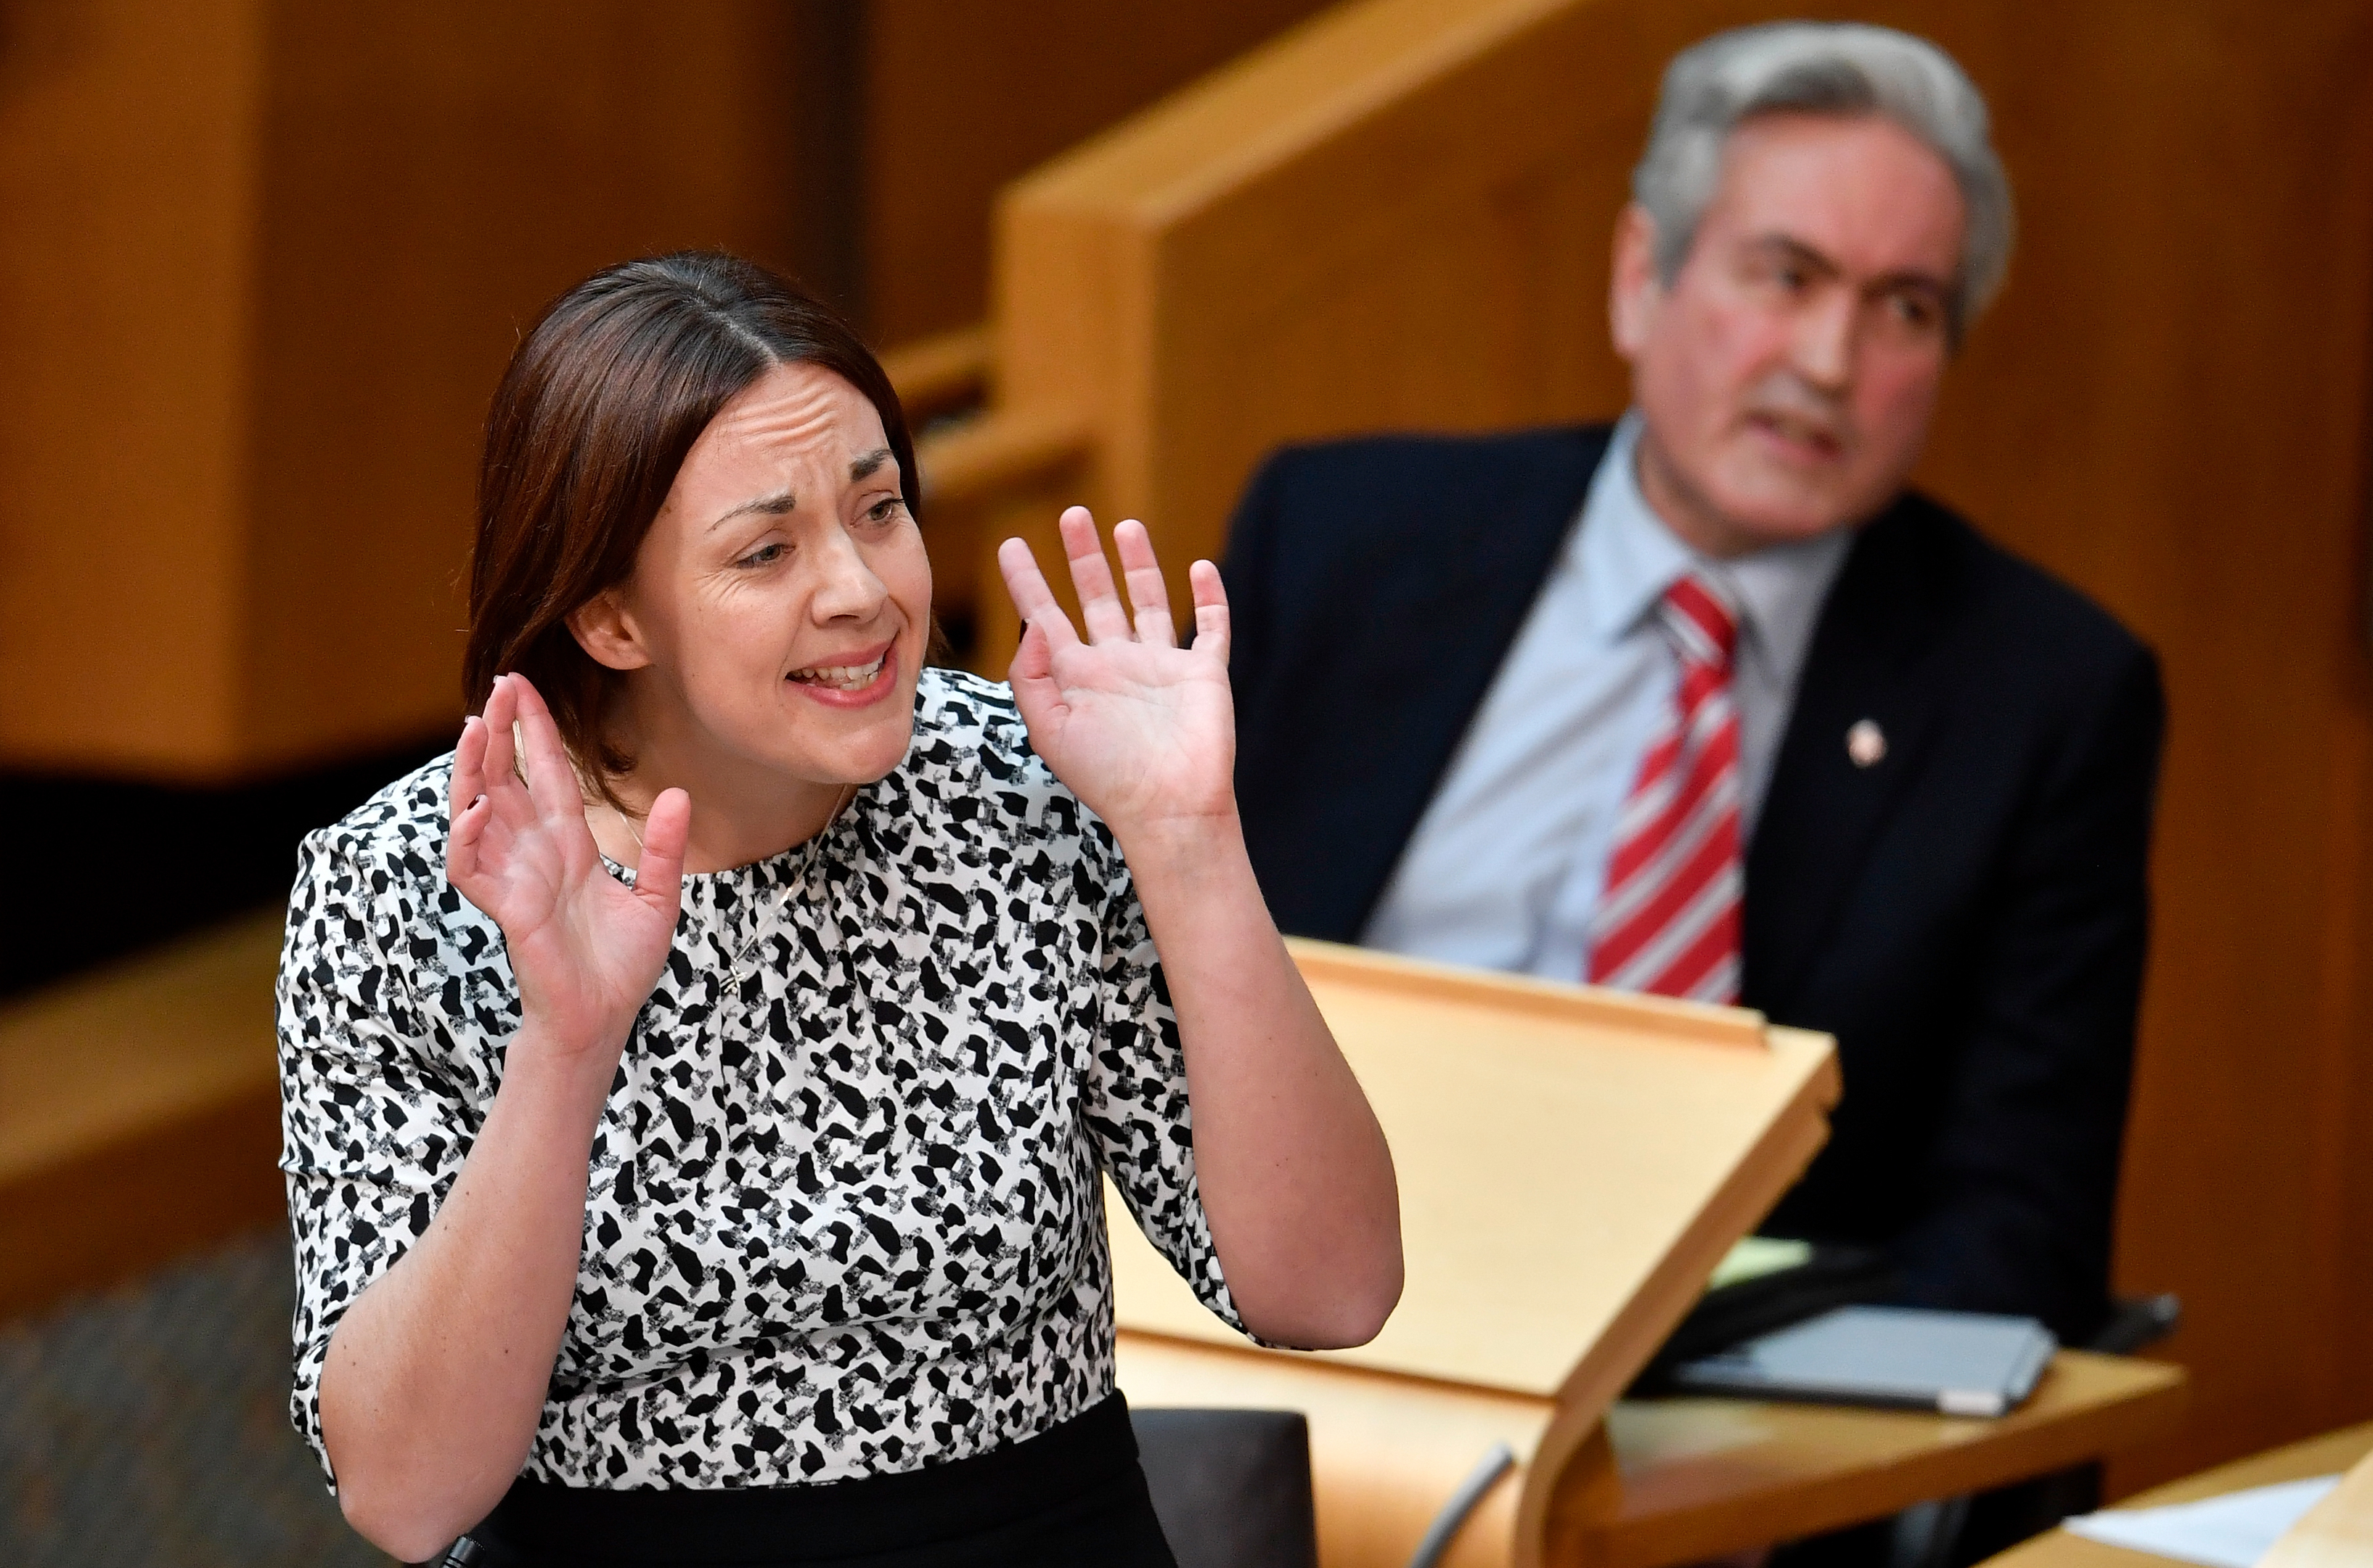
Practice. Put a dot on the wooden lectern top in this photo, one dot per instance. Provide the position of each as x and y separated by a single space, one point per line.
1573 1163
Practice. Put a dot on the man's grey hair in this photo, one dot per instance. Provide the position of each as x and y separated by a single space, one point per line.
1837 68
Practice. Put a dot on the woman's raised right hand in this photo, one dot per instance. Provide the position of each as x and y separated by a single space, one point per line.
585 948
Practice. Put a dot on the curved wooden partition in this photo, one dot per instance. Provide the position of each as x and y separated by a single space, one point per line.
1392 216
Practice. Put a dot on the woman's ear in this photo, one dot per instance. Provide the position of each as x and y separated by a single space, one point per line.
606 631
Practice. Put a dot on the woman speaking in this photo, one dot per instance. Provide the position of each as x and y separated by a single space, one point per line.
697 1084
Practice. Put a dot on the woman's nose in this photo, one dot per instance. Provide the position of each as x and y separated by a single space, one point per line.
847 589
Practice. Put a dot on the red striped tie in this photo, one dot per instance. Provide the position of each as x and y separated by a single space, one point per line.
1668 919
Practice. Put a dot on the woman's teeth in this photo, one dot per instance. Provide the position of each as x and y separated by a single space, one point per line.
840 677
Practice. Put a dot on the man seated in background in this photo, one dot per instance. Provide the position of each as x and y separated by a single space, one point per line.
1711 704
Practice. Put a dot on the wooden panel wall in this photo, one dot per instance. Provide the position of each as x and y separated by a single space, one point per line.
129 195
2172 410
284 248
1400 217
960 99
263 263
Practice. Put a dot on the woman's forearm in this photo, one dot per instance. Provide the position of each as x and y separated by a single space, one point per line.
1295 1175
435 1377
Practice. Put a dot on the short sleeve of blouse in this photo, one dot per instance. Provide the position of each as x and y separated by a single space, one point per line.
1136 1098
373 1129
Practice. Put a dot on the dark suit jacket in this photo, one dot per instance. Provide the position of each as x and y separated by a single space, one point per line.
1966 916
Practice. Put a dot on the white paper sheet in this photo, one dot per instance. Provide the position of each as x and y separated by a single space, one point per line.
2231 1531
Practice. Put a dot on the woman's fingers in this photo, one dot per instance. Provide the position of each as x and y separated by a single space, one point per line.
658 877
1100 607
465 804
467 812
550 778
1032 600
469 781
501 712
1032 660
1145 617
1149 596
504 780
1211 609
462 860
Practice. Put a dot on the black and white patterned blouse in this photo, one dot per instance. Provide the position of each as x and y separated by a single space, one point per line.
844 1214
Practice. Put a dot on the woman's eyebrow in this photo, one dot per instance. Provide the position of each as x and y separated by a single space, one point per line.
864 466
776 505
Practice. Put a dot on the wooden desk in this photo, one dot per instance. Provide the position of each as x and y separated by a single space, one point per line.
2328 1455
1574 1164
1694 1477
1701 1477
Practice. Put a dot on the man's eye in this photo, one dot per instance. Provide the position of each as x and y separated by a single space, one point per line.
1914 310
885 509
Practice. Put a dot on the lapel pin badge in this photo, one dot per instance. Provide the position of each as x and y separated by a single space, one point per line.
1865 743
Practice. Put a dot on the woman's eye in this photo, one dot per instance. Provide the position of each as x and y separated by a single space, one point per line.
763 556
885 509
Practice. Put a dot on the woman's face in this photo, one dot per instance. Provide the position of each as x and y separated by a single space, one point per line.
776 619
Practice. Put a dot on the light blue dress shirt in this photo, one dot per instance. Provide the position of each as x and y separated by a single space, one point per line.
1508 859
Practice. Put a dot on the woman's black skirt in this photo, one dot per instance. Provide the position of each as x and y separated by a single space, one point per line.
1071 1494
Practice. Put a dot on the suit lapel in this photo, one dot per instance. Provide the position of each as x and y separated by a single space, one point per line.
1870 662
1432 673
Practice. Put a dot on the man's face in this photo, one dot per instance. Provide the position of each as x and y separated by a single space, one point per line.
1787 373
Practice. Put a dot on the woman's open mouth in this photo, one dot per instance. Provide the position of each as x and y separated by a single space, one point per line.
857 684
842 677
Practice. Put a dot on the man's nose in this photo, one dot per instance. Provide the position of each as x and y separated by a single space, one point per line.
1824 344
848 589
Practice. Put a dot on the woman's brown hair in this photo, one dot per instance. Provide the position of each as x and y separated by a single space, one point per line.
605 395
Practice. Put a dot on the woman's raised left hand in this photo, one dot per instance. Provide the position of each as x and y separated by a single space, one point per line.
1293 1171
1142 730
